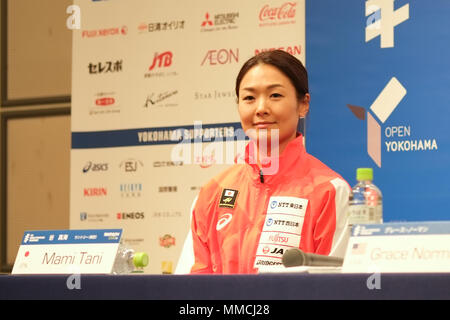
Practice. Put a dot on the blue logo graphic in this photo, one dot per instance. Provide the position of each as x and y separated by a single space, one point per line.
273 204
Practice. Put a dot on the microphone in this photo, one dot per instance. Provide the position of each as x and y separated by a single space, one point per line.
296 257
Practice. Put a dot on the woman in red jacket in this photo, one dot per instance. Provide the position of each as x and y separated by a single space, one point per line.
245 218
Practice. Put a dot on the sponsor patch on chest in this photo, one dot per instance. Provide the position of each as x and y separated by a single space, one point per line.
287 205
281 231
228 198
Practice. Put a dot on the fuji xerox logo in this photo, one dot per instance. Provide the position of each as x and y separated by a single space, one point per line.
382 19
397 137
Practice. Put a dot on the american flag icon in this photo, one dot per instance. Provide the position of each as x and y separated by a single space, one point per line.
359 248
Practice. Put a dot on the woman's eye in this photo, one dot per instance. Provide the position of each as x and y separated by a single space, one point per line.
248 98
276 95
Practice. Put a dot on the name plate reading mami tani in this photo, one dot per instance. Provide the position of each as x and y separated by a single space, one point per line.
67 251
399 247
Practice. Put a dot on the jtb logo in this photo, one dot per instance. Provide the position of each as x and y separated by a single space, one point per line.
163 60
382 107
383 19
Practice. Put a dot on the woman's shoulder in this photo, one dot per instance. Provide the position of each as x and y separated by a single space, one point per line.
229 174
224 177
322 173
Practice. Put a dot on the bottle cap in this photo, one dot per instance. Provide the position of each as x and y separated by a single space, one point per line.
140 259
364 174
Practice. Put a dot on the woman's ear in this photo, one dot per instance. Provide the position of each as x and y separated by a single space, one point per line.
303 106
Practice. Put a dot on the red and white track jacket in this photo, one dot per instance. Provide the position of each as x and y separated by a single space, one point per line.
244 220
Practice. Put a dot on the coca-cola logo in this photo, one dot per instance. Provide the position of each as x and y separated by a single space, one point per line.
286 11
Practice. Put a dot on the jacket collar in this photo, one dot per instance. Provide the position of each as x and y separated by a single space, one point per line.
274 167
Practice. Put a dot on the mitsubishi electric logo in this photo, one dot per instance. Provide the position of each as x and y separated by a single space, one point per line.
383 19
381 109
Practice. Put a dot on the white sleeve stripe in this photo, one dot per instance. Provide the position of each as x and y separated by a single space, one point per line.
341 234
187 257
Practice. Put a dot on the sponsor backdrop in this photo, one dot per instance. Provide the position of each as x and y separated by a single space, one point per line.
154 112
379 85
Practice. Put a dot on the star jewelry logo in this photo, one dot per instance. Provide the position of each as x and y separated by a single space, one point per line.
383 19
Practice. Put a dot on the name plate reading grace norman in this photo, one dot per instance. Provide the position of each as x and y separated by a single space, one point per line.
399 247
67 251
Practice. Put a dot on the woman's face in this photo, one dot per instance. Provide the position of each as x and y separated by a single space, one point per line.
267 102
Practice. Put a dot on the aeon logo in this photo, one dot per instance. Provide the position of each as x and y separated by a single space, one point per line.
222 56
161 60
286 11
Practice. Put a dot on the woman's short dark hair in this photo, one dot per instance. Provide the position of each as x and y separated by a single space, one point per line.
285 62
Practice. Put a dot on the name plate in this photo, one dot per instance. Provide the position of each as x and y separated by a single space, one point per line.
67 251
399 247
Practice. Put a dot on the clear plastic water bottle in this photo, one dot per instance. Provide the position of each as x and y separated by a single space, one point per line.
365 203
129 261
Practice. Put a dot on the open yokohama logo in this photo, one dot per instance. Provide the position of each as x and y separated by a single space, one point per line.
382 108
